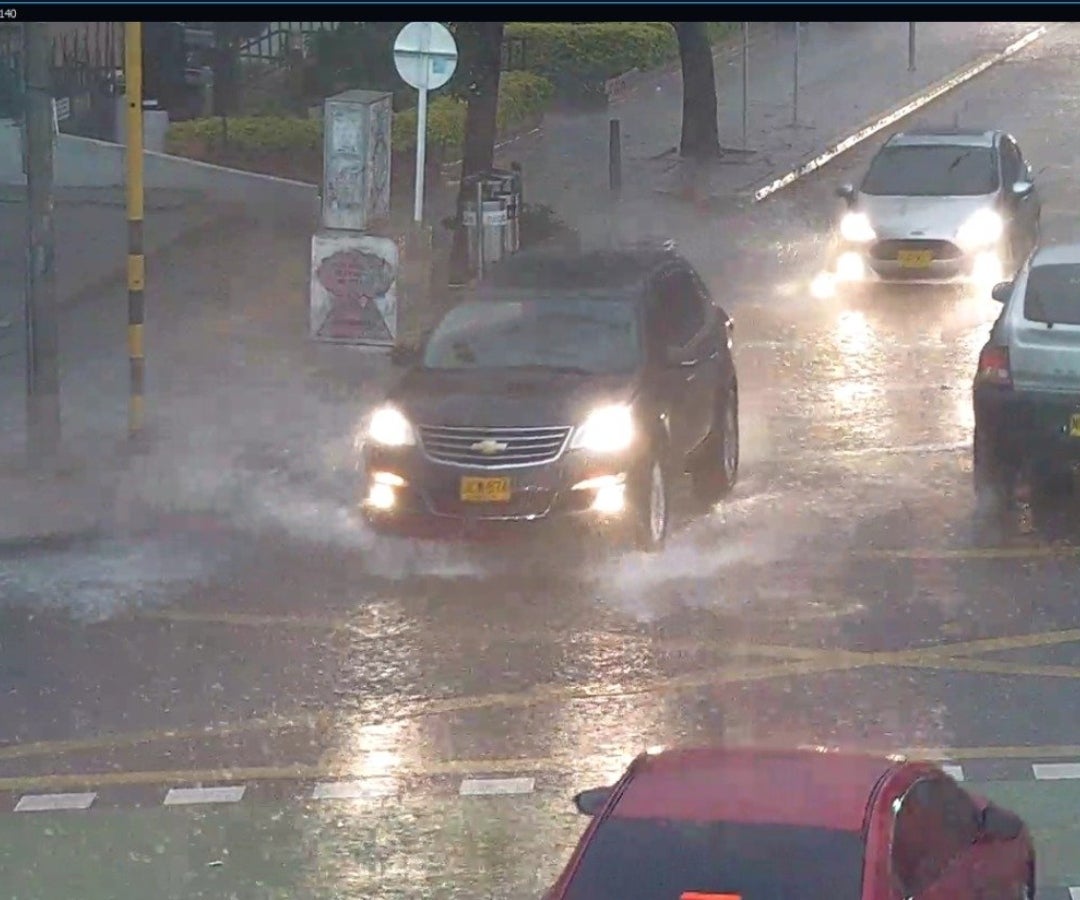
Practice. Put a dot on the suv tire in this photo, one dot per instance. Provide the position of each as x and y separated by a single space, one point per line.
716 470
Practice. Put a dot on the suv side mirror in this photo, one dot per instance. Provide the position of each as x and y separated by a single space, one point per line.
1002 291
1022 189
846 192
590 802
997 824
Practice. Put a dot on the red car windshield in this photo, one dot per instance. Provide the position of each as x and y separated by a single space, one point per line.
655 859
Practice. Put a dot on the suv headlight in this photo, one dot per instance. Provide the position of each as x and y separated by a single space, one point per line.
608 429
984 227
856 227
390 428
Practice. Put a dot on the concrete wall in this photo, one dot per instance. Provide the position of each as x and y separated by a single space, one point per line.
84 162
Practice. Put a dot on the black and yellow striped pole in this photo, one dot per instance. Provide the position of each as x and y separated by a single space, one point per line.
136 269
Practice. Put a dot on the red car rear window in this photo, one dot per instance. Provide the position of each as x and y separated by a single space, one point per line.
657 859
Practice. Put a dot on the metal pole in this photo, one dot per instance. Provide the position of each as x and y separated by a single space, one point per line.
136 268
911 46
421 148
421 126
795 83
479 229
614 156
42 327
745 84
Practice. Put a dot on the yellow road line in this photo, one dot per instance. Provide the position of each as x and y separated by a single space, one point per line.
794 661
159 735
1038 551
517 765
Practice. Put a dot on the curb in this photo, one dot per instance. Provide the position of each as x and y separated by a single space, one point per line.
906 107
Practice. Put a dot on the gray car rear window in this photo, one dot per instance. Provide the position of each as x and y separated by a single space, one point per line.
1053 294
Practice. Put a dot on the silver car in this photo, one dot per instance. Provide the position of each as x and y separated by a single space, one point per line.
942 206
1027 385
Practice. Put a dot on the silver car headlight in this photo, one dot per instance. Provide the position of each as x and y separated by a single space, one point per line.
390 428
983 228
609 429
856 227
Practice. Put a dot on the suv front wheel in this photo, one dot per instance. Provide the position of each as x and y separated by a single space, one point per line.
651 507
716 470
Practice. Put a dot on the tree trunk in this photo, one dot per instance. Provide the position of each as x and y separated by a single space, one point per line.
700 134
481 44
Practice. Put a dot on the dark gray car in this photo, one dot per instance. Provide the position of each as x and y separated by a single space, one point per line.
940 206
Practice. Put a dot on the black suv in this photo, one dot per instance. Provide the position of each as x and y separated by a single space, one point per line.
567 389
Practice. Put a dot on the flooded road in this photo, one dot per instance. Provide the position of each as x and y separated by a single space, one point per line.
246 631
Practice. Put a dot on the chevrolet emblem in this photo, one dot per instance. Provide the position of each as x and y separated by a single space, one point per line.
489 447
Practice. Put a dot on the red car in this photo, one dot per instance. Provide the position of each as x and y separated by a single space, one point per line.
743 824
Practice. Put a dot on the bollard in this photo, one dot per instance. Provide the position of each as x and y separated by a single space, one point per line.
614 156
911 46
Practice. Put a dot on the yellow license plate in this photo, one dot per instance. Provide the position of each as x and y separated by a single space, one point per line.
485 490
1074 426
914 259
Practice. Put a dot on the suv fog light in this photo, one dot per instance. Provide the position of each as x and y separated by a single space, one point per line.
381 496
849 267
988 268
610 499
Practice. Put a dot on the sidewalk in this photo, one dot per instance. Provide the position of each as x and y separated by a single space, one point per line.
848 73
251 418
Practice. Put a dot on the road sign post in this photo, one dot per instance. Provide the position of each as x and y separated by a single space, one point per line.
425 54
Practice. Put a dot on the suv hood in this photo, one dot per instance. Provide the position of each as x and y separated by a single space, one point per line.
936 218
507 397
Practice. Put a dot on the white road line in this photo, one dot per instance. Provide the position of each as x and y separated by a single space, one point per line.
352 790
955 772
1074 893
486 787
188 796
917 102
53 802
1056 771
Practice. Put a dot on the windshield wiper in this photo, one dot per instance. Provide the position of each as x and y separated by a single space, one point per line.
959 159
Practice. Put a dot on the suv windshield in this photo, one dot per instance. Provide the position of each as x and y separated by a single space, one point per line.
1053 294
657 859
932 170
595 336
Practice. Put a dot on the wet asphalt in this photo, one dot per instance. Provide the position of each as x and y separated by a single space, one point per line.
850 592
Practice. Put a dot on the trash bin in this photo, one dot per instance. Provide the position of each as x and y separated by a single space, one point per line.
496 232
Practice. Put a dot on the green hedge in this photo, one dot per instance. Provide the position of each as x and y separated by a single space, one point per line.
523 97
590 51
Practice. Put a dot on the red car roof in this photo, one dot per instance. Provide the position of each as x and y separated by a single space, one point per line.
783 787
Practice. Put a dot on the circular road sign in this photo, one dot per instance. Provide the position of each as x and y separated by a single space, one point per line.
425 54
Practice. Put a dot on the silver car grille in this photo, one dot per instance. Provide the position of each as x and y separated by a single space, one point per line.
494 448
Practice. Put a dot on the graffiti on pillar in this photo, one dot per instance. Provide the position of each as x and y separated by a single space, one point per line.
362 305
378 205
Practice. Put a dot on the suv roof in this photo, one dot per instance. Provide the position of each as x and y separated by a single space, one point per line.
588 270
949 137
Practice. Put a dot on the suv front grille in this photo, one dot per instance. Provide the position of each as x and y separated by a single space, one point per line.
493 448
889 249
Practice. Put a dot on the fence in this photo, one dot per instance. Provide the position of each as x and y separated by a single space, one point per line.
87 59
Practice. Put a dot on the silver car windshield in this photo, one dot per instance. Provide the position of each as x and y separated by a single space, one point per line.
932 170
